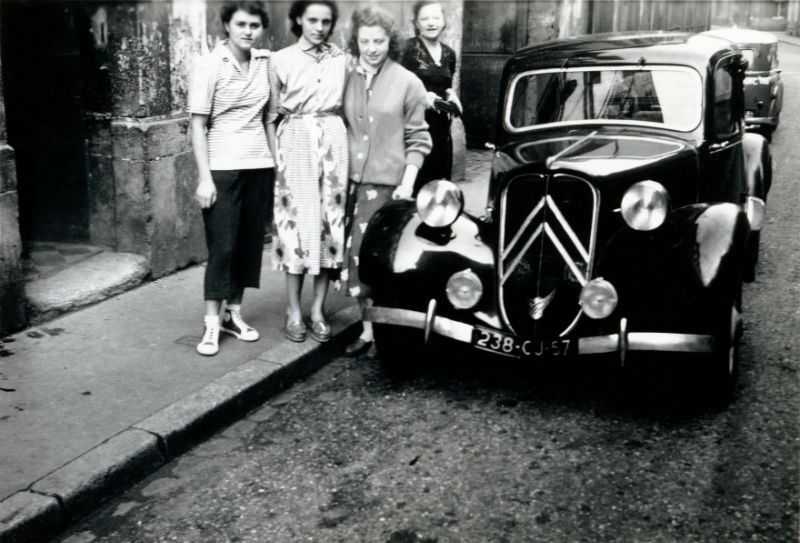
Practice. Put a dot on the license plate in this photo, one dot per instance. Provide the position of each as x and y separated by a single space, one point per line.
504 344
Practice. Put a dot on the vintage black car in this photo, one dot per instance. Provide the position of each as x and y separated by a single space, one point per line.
624 207
763 88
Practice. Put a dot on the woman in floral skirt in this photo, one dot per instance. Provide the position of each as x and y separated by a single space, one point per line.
311 174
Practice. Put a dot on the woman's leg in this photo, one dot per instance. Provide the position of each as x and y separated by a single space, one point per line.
321 282
294 288
366 325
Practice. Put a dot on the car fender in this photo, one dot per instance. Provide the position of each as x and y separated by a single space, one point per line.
407 263
720 234
757 164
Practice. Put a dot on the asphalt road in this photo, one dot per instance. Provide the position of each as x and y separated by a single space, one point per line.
491 453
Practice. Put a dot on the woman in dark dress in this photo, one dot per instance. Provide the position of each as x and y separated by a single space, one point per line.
435 64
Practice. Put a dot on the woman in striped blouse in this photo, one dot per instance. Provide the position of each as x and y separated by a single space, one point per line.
232 114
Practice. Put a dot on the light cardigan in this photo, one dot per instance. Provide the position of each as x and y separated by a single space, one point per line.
386 125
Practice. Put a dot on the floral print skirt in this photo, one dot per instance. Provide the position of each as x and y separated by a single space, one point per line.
310 193
363 200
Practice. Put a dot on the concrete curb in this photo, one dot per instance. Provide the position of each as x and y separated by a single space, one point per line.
53 502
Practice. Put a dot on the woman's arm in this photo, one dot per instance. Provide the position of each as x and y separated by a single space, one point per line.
206 193
416 138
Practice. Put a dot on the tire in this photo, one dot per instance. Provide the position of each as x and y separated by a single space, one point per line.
751 257
723 364
401 350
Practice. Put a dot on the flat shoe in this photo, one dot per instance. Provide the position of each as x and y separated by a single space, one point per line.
320 331
295 331
357 347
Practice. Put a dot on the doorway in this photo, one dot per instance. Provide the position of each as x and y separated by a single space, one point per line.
43 87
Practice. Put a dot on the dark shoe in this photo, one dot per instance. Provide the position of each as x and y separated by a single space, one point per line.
295 331
320 331
357 347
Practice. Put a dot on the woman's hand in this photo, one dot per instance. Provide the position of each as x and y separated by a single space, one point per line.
206 193
430 99
403 192
453 97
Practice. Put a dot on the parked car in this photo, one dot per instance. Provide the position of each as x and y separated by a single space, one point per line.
624 205
763 88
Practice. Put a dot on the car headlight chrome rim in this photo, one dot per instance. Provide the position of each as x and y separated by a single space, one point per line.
645 205
464 289
598 298
439 203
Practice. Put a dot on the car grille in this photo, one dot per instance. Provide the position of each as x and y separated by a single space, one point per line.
547 237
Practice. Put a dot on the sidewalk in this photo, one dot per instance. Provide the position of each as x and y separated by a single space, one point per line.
99 398
94 400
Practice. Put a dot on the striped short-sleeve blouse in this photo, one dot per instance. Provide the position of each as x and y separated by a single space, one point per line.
234 102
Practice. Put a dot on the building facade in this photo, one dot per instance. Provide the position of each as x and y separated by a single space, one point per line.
94 138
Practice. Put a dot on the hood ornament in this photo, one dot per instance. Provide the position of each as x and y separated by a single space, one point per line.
537 305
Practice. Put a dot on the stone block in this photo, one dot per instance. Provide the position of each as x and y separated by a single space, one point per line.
163 208
8 168
26 517
12 302
167 137
133 214
98 134
103 471
102 200
194 417
129 139
150 139
189 229
86 282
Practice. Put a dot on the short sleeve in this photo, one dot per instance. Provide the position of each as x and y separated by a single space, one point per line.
271 113
201 89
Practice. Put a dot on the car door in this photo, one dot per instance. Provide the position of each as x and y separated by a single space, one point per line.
723 168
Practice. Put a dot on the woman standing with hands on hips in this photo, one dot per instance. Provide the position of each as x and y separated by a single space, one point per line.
311 180
232 111
384 105
435 64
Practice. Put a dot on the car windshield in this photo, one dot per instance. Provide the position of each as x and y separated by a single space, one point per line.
667 96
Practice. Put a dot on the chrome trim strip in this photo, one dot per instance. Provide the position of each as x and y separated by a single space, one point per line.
564 255
513 266
528 220
443 326
637 341
648 341
430 319
567 228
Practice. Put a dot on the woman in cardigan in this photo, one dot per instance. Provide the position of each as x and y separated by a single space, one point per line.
388 139
435 64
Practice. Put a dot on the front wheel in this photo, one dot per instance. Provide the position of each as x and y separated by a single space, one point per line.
723 363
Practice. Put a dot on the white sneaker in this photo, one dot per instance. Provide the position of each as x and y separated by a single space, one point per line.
233 324
209 344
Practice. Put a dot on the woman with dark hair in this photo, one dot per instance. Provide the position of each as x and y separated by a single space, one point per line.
435 64
232 107
311 163
384 105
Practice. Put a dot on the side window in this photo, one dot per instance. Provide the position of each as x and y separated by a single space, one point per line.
725 122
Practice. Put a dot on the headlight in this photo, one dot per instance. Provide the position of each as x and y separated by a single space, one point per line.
645 205
598 298
439 203
464 289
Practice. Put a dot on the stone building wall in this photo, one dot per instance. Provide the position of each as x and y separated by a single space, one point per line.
12 304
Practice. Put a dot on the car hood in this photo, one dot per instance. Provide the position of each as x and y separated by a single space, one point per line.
598 153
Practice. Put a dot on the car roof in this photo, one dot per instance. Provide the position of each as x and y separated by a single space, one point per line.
657 47
743 35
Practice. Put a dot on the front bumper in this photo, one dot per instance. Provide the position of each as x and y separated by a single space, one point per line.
620 342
